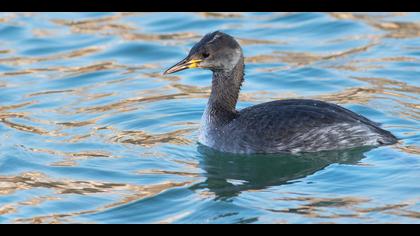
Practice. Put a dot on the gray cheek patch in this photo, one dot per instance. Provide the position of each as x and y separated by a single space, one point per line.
234 58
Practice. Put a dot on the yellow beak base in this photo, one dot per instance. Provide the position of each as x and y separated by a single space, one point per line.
182 65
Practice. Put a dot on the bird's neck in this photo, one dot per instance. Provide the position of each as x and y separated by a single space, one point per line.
226 85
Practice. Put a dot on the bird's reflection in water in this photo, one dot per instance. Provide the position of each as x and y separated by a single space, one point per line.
230 174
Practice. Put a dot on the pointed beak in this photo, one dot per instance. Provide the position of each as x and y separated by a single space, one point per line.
182 65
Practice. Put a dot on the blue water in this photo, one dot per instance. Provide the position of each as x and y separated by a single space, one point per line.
93 133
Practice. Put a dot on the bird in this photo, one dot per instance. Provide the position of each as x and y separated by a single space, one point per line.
281 126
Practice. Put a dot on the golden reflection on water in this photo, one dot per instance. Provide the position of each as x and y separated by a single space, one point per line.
221 14
103 24
407 213
123 105
304 58
71 157
412 149
19 61
27 128
394 29
166 172
8 17
148 140
313 207
157 37
69 70
31 180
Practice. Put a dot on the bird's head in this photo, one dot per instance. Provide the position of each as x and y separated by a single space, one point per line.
216 51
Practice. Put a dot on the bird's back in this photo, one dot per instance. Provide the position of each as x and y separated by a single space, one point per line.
298 125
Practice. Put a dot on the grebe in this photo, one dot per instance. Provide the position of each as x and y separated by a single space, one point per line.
292 125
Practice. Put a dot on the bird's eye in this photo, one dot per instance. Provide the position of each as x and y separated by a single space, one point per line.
205 54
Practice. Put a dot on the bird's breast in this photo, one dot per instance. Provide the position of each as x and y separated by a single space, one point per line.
205 136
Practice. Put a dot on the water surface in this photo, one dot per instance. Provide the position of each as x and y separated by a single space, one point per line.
93 133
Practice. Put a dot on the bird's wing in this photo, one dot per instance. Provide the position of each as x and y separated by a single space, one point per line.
290 123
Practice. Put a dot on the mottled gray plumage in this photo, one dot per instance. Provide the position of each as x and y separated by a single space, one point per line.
294 125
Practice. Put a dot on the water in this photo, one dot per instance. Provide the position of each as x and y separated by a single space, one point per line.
93 133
